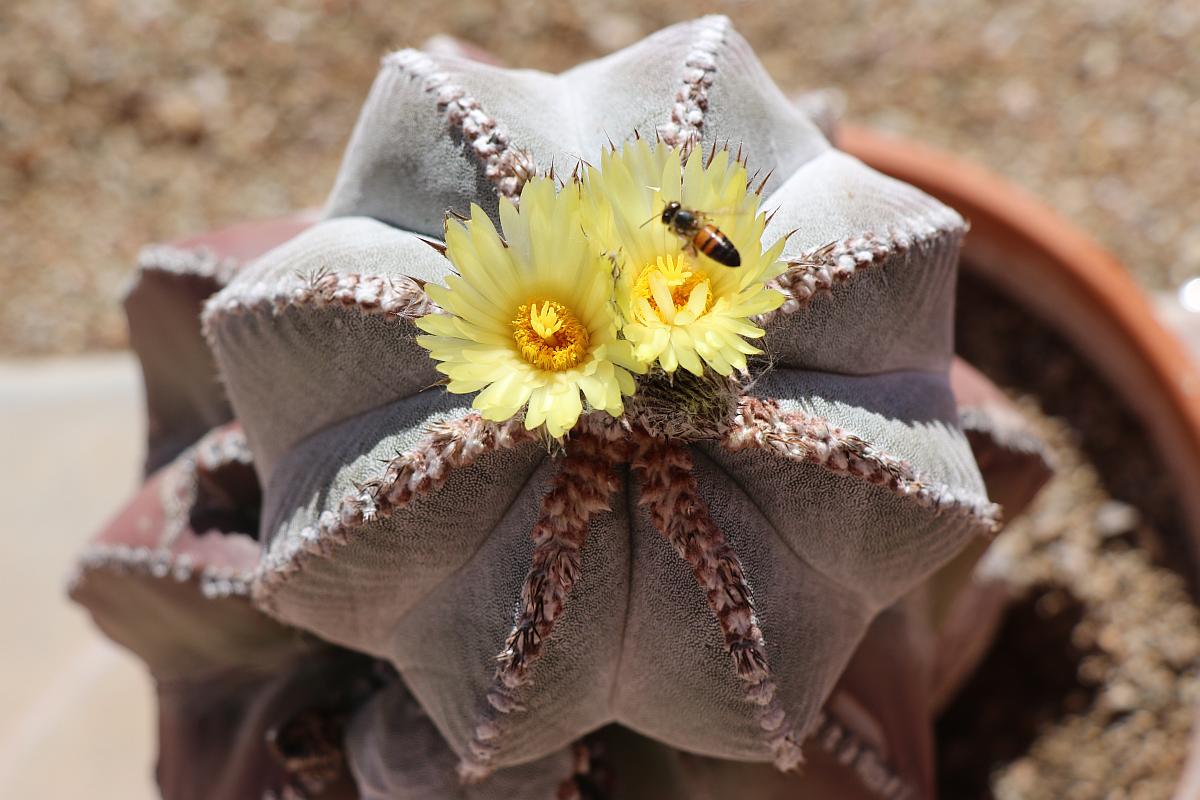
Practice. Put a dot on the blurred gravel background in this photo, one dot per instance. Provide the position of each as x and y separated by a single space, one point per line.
124 122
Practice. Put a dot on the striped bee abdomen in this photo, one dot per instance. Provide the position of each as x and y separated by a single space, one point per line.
711 242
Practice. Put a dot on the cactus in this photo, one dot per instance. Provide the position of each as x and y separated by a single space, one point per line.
477 597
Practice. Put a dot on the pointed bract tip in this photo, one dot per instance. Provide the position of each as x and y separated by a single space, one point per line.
436 245
764 181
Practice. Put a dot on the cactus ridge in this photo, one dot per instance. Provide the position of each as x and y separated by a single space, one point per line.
178 490
505 165
681 516
391 297
175 260
454 444
700 66
840 741
583 487
221 447
800 437
816 272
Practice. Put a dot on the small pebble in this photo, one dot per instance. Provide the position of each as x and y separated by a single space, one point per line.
1114 518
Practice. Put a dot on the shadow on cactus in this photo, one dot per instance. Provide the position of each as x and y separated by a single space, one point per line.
748 463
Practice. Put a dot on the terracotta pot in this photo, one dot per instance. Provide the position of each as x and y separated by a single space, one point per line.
1031 257
1050 268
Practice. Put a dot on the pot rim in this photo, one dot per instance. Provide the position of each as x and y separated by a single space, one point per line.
1027 251
1062 269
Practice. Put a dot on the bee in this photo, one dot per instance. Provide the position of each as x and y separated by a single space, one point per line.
701 235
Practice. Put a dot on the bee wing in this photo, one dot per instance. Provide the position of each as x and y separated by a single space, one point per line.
707 215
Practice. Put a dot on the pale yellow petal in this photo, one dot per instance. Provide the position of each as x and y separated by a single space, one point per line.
540 401
516 231
437 324
506 396
681 344
565 411
625 382
668 360
712 325
547 258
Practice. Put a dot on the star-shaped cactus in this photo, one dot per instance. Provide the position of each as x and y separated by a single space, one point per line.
705 593
395 593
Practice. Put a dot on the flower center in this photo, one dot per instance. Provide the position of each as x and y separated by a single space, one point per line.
668 287
550 337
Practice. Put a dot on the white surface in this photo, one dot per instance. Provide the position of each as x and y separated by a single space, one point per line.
76 712
1180 311
1189 296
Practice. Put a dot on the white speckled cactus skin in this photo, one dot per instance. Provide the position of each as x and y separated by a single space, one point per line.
707 595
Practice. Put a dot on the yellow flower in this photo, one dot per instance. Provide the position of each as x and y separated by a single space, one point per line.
680 307
529 319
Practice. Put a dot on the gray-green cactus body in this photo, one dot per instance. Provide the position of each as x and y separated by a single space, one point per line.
396 753
247 707
705 594
169 579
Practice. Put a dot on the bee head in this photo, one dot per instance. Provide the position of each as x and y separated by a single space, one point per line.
669 212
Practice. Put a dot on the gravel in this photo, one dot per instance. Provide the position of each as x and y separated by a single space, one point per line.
1138 634
1091 687
124 122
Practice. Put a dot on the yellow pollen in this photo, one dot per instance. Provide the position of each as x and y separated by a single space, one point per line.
665 288
545 321
549 337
